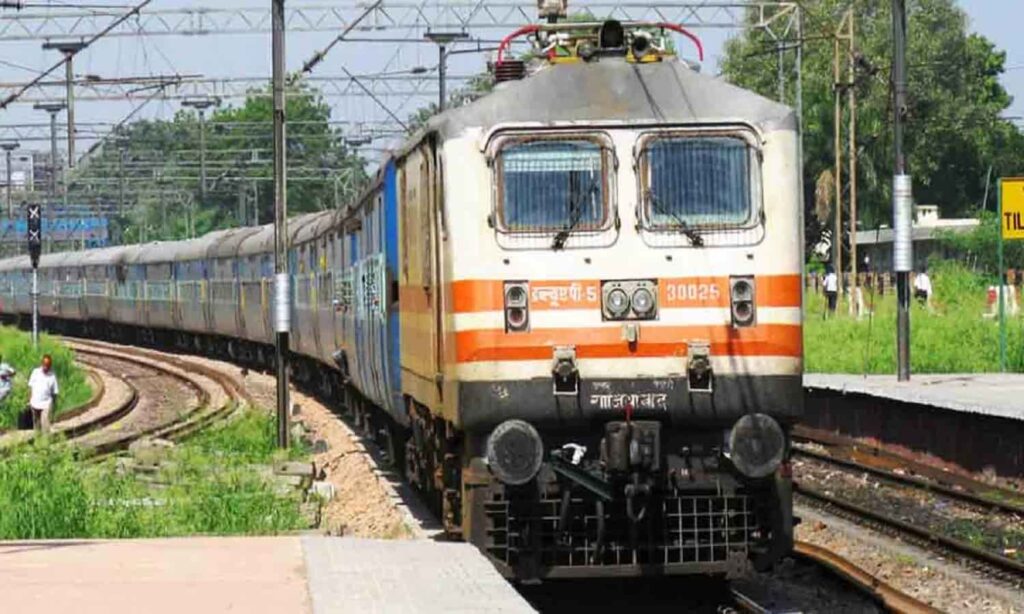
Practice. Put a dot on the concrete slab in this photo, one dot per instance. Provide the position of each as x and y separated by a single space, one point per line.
404 577
172 576
991 394
250 575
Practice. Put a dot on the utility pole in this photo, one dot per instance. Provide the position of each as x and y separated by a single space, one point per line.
241 204
9 148
837 135
443 39
255 202
851 94
201 105
120 180
902 193
844 38
282 290
69 49
53 108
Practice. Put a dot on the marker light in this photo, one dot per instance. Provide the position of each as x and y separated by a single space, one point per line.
744 311
517 306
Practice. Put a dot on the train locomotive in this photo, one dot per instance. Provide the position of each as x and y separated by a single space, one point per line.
570 309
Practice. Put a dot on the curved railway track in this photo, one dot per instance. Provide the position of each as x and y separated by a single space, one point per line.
889 467
181 397
165 397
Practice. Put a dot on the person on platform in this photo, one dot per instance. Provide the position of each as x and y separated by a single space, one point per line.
6 379
831 286
43 391
923 287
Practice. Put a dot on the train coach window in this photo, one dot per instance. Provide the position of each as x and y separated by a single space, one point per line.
697 182
547 185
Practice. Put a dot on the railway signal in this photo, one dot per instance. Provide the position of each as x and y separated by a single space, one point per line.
35 250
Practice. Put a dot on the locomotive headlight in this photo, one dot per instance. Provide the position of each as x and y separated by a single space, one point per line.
643 302
517 306
757 445
744 311
629 299
515 452
617 303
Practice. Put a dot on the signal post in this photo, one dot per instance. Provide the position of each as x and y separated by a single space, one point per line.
1011 222
35 249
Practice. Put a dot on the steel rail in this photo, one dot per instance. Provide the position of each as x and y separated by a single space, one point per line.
873 458
891 597
104 449
189 424
915 482
1003 564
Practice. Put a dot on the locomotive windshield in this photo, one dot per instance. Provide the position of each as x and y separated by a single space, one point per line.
697 181
551 185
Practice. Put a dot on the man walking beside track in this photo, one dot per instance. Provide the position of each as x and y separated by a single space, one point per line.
43 391
831 284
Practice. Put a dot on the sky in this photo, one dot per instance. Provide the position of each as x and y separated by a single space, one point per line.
249 55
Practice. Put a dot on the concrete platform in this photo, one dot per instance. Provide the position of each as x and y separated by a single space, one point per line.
279 575
992 394
972 421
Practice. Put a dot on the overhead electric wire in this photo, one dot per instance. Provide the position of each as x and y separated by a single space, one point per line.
376 100
318 57
67 56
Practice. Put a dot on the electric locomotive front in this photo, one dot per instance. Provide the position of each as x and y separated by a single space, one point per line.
624 244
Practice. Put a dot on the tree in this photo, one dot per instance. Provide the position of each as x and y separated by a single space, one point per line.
979 247
953 129
162 167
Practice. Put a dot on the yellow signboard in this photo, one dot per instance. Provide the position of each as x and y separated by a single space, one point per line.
1011 208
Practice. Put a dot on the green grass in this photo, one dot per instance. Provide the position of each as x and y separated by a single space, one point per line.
250 438
212 486
953 338
16 349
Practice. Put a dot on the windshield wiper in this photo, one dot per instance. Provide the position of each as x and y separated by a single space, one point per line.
695 239
575 216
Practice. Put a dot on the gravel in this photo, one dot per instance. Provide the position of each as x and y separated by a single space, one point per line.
998 532
930 578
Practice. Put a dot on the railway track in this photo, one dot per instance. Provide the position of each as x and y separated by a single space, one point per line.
892 466
164 397
158 383
751 599
889 467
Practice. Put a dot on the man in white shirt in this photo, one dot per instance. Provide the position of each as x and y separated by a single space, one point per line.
6 379
923 287
43 391
831 286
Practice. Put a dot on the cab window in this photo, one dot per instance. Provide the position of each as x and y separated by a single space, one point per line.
699 181
552 184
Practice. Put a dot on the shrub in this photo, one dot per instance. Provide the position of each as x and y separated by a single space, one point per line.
953 338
